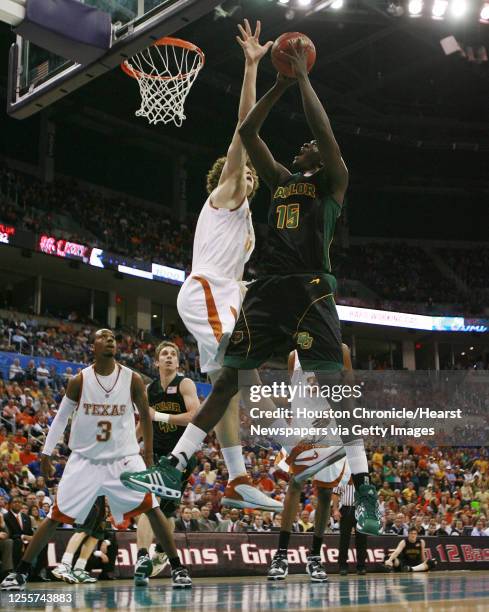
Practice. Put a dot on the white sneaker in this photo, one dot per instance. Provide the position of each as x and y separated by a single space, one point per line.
13 582
315 569
279 567
64 572
159 561
240 493
305 460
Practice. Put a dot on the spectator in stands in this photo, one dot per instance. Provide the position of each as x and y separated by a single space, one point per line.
42 374
233 524
444 529
478 530
458 530
399 526
205 523
210 475
6 547
16 372
19 527
304 523
186 522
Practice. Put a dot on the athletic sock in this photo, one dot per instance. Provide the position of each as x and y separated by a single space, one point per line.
67 559
142 552
175 563
233 458
283 541
317 542
81 564
357 457
24 567
188 444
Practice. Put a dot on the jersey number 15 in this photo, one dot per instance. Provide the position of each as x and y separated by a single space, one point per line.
288 216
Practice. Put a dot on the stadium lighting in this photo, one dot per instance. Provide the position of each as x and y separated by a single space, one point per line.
485 12
439 9
415 8
337 4
283 1
304 2
458 8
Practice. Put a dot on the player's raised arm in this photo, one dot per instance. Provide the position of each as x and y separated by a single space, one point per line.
140 399
66 408
232 186
319 125
267 167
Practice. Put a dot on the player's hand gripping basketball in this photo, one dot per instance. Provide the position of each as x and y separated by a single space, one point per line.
250 43
297 55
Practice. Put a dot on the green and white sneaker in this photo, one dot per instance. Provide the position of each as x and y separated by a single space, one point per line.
142 570
163 479
82 576
367 512
159 561
64 572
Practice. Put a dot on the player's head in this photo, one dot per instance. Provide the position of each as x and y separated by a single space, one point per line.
308 157
104 344
167 356
412 534
214 174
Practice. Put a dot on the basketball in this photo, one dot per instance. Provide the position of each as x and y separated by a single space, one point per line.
281 62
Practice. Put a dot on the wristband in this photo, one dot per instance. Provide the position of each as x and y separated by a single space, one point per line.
163 417
97 553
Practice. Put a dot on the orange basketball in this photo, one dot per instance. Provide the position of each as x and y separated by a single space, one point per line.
282 62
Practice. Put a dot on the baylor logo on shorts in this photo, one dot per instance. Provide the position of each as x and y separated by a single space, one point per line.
237 337
304 340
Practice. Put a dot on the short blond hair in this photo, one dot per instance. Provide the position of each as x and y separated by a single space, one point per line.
163 345
215 172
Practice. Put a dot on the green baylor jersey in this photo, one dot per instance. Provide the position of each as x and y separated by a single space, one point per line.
301 222
170 401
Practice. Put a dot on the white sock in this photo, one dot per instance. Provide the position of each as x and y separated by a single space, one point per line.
81 564
67 559
188 444
233 458
420 568
357 457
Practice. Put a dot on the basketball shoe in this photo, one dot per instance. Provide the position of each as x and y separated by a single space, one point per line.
180 578
315 569
307 459
64 572
159 561
279 567
15 581
142 570
367 511
82 576
163 479
240 493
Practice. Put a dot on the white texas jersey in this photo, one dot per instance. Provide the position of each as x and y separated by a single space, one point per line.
103 425
224 240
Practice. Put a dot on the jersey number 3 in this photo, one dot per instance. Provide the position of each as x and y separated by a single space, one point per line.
105 430
288 216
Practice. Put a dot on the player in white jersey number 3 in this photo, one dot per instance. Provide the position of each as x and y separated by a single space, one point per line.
103 442
210 300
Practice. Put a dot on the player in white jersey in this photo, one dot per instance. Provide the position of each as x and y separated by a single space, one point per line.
324 481
210 300
103 442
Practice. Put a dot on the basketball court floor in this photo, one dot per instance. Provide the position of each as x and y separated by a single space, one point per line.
439 591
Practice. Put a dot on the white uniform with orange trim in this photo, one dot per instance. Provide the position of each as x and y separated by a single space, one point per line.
333 475
210 299
103 443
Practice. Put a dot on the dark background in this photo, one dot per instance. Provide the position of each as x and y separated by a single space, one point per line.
412 123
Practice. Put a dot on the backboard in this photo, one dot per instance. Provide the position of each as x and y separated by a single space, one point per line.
37 78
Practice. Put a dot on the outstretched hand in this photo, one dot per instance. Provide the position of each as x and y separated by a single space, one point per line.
297 56
250 43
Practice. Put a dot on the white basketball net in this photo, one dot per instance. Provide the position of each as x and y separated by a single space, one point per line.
165 74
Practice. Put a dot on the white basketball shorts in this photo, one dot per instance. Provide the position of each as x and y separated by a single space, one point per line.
84 480
209 307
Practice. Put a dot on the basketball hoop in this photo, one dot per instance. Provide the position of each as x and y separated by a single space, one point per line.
165 72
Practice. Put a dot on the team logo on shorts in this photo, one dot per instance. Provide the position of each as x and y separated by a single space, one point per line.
237 337
304 340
